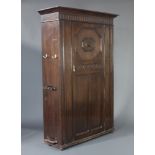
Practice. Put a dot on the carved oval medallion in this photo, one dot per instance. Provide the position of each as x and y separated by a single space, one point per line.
88 44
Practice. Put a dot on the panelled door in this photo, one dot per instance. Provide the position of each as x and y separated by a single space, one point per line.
88 78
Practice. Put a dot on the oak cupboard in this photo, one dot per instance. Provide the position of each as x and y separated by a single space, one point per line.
77 65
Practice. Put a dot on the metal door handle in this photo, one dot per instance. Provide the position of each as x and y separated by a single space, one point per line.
54 56
51 88
45 56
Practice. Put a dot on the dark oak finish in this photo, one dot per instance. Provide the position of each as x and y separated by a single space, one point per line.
77 49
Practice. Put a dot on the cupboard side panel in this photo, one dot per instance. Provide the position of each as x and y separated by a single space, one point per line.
51 76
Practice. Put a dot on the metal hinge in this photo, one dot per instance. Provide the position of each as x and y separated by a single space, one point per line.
73 68
51 141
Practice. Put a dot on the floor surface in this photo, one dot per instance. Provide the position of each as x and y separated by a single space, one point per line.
120 142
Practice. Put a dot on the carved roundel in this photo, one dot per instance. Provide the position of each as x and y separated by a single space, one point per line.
89 43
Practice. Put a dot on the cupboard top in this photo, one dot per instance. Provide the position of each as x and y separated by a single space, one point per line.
73 14
74 11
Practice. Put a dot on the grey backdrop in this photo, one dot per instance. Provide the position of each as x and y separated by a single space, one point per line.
121 141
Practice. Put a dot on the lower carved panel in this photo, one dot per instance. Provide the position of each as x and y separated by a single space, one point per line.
89 67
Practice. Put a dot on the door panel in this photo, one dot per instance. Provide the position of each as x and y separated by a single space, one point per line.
81 84
95 101
88 78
